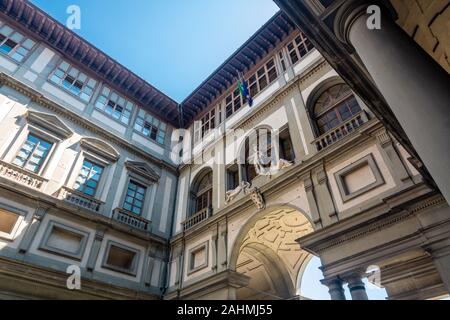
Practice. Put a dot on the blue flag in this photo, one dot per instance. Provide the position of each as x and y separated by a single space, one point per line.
243 89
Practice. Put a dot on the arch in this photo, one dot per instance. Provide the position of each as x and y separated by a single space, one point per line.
331 104
201 191
276 272
319 89
252 221
272 235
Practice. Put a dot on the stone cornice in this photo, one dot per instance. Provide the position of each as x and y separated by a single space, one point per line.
380 216
38 98
292 175
26 273
60 207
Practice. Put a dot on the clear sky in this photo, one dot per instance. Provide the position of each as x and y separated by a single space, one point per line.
173 44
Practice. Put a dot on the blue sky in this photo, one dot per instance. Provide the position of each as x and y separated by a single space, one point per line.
173 44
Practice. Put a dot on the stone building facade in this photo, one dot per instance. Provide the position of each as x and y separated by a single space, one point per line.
218 197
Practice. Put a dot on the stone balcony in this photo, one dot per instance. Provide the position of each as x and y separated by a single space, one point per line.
79 199
22 176
341 131
131 219
197 218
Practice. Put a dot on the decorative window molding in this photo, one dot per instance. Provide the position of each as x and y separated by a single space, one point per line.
100 148
33 154
121 258
53 238
49 122
201 248
340 177
142 172
10 220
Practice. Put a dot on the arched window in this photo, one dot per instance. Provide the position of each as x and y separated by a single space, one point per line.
335 106
202 193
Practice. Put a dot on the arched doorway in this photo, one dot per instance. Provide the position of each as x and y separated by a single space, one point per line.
266 252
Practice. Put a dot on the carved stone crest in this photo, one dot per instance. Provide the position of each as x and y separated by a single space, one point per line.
257 198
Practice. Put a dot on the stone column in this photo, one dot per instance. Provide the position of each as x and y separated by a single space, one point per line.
357 288
95 249
324 198
32 229
441 259
309 189
413 84
334 288
391 157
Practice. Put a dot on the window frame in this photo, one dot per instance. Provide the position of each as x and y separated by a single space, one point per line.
304 41
43 134
51 225
66 73
119 98
333 107
340 175
161 126
134 265
99 182
192 251
19 44
132 180
21 216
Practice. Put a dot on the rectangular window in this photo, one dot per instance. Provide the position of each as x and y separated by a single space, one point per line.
134 199
89 178
32 154
257 82
232 177
282 61
299 48
208 122
74 81
114 105
286 149
64 240
120 258
8 221
233 103
14 44
150 126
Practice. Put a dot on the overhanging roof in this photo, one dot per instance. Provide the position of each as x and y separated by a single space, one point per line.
250 53
26 15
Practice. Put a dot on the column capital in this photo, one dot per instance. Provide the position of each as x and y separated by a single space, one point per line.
351 10
357 287
335 288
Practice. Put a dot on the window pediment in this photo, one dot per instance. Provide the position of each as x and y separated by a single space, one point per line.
50 123
143 170
101 148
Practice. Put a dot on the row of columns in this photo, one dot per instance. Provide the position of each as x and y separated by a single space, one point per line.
355 285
